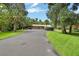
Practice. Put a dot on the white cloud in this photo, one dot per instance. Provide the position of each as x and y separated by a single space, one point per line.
34 4
77 11
35 10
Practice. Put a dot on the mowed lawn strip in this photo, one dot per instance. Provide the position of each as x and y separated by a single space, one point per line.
64 44
4 35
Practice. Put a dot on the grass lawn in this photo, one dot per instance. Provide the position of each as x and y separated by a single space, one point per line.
64 44
4 35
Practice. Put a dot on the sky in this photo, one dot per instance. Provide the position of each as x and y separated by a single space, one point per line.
76 11
37 10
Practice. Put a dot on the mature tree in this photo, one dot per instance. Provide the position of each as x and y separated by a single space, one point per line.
66 18
12 16
61 12
4 16
17 13
53 13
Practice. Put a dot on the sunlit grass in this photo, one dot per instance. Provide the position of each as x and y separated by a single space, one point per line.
64 44
4 35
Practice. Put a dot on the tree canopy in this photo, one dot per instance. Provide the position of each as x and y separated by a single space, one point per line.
60 13
12 16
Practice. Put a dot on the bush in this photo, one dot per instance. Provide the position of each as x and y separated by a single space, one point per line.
49 28
76 30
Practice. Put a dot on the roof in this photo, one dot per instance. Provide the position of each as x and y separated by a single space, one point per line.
41 25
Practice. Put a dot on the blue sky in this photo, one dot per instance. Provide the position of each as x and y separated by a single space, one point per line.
37 10
76 11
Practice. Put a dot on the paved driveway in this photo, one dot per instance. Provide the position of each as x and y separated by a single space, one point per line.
31 43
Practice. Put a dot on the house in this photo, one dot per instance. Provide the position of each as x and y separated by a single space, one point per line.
76 26
40 26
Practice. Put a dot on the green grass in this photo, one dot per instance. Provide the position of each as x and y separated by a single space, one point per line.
4 35
64 44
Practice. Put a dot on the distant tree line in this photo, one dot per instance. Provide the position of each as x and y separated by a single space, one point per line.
40 21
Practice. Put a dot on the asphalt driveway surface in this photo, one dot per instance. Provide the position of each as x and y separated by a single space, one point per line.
33 42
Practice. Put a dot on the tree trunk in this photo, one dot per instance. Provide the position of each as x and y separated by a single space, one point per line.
55 23
22 28
70 29
14 27
64 30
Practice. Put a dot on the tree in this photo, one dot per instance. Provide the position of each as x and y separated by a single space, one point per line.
53 14
17 13
4 16
54 9
60 12
12 16
46 22
64 18
68 18
40 21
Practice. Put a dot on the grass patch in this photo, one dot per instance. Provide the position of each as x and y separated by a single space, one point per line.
4 35
64 44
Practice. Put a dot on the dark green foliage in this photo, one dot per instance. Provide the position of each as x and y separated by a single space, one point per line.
59 14
47 22
12 16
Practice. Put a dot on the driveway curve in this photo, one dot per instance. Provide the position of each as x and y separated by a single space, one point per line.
31 43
